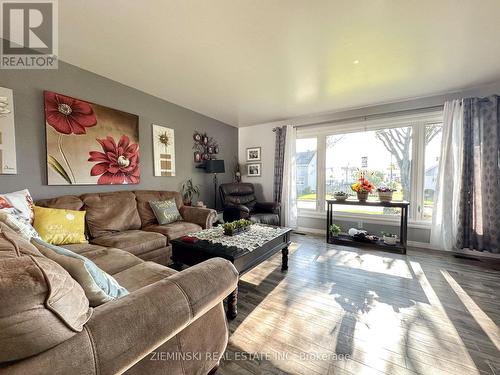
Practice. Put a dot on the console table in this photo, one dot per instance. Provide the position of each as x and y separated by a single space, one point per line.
343 239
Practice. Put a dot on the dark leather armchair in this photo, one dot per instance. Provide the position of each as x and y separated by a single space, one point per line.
239 202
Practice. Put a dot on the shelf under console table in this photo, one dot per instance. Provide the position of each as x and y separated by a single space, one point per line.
343 239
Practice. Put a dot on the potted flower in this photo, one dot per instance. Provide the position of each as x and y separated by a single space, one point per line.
340 196
389 238
335 230
385 193
189 190
362 187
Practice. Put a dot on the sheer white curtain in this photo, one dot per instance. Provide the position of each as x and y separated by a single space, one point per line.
447 196
289 193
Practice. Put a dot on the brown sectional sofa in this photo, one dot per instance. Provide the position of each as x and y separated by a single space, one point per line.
124 220
170 323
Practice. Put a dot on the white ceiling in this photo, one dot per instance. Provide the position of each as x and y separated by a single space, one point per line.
253 61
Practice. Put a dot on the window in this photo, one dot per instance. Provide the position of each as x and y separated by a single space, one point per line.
401 152
433 136
306 161
385 155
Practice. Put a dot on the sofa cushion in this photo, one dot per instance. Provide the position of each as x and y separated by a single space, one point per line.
42 306
145 196
112 260
99 286
174 230
82 248
111 212
134 241
142 275
66 202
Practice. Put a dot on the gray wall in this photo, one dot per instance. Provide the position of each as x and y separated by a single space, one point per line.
28 86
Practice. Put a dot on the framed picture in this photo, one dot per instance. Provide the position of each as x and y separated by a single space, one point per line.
253 170
253 154
163 151
197 157
7 133
90 144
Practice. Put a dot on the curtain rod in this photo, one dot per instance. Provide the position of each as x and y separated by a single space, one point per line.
366 117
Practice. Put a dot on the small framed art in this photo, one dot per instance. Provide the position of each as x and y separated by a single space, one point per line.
253 154
254 169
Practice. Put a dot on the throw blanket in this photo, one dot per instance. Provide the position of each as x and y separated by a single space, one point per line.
250 240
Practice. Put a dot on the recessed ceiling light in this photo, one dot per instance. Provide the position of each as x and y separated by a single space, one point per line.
355 62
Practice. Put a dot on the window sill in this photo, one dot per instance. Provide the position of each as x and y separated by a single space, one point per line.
371 219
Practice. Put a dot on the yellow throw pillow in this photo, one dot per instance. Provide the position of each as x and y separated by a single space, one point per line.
60 227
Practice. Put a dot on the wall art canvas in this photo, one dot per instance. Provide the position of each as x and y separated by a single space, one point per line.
163 151
7 133
89 144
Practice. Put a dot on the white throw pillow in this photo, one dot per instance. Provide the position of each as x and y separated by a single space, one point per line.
99 286
20 226
19 203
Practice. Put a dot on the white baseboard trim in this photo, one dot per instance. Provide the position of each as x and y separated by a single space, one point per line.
311 230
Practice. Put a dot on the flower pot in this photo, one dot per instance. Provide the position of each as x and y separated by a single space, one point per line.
385 196
390 240
362 196
340 197
236 231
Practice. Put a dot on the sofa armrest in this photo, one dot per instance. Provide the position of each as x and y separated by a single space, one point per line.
204 217
126 330
267 207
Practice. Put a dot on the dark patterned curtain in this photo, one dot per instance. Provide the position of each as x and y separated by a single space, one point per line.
479 219
279 160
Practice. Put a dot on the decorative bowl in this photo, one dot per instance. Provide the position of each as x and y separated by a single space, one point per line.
340 196
390 240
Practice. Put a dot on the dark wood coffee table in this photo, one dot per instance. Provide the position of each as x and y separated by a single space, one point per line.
187 253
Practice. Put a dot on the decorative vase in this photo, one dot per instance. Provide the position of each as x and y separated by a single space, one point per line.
362 196
385 196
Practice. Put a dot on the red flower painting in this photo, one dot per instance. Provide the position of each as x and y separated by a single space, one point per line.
118 164
68 115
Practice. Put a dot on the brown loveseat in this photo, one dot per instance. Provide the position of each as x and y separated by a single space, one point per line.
124 220
170 323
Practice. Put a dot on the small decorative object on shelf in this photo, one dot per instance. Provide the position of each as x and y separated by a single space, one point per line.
189 190
335 230
389 238
340 196
362 187
236 227
385 193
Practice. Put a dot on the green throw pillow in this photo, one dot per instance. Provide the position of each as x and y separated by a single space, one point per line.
166 212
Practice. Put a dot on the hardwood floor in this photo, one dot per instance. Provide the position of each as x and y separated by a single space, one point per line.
340 310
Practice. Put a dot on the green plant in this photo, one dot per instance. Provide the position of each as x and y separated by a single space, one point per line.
234 225
189 190
335 229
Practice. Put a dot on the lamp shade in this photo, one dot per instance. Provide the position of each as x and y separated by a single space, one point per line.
214 166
